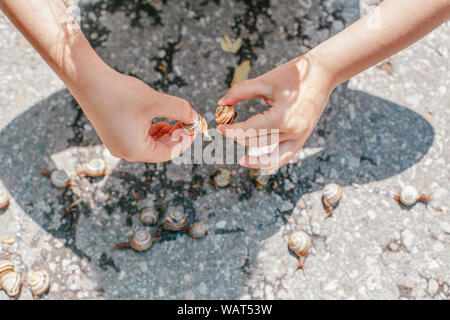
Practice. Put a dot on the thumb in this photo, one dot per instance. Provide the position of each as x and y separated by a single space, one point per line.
246 90
174 108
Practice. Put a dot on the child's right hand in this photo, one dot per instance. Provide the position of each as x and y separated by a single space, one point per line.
121 109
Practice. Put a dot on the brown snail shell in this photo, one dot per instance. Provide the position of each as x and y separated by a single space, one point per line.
175 221
95 168
142 240
6 266
60 178
199 125
149 216
300 244
11 283
39 282
254 173
409 195
331 195
197 230
225 114
221 177
4 200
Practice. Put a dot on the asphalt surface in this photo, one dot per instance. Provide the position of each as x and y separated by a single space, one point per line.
384 129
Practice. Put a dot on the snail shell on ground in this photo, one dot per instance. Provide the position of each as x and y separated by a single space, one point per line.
39 282
5 267
409 195
332 193
95 168
149 216
4 200
60 178
199 125
142 240
221 177
197 230
300 243
262 180
11 283
225 114
254 173
175 221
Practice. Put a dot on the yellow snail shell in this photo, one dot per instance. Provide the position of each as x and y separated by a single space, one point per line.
300 244
221 177
332 193
262 180
175 221
149 216
142 240
60 178
11 283
225 114
197 230
199 125
95 168
5 267
4 200
39 282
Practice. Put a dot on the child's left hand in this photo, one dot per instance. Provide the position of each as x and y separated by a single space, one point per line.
297 92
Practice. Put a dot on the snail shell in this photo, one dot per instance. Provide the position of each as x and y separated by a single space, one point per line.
408 195
254 173
225 114
300 243
11 283
262 180
332 193
39 282
60 178
5 267
199 125
4 200
197 230
175 221
142 240
221 177
149 216
95 168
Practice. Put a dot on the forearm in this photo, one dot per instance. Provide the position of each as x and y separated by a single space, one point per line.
393 26
53 32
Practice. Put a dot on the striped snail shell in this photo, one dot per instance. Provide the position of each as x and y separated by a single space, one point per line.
4 200
95 168
225 114
197 230
39 282
60 178
175 221
149 216
332 193
11 283
142 240
221 178
199 125
300 244
6 266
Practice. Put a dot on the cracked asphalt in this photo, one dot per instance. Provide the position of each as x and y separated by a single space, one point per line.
383 129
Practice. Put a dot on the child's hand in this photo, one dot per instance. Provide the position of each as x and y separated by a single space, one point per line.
121 109
297 92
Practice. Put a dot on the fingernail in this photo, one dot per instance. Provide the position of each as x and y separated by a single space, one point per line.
220 102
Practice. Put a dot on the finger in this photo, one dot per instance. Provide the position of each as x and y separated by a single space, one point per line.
278 158
174 108
159 129
274 137
166 147
246 90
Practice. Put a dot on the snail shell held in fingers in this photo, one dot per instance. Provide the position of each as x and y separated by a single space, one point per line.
300 243
197 230
39 282
142 240
409 195
199 125
60 178
221 178
149 216
4 200
331 195
95 168
225 114
11 283
5 267
175 221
